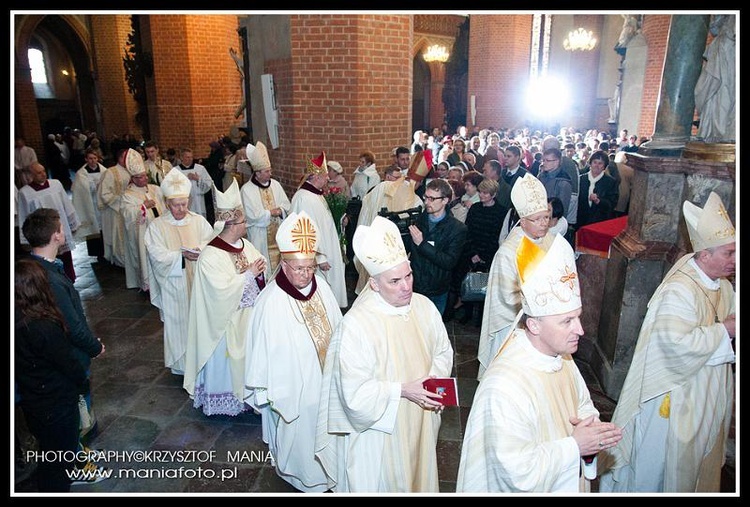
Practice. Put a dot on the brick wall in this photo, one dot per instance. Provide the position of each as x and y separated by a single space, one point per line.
499 47
347 88
196 87
109 34
656 31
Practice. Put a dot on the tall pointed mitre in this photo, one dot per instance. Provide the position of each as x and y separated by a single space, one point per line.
297 236
549 280
317 165
379 246
134 163
257 156
227 206
420 165
708 227
528 196
175 185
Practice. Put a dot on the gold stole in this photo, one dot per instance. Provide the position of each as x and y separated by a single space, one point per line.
269 203
316 320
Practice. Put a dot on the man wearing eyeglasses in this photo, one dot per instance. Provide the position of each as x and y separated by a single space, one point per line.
503 299
286 347
438 240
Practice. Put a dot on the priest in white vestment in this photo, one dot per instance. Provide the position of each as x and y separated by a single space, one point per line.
226 284
676 404
503 298
83 194
41 192
201 181
156 166
293 319
309 198
173 242
532 420
141 204
109 199
378 426
265 204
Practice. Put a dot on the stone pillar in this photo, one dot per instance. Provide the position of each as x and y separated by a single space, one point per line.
682 67
656 236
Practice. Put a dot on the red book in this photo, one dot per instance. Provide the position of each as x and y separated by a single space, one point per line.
445 386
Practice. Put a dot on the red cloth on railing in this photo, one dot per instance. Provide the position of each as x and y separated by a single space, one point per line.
596 238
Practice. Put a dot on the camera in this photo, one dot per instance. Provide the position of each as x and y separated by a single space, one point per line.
403 219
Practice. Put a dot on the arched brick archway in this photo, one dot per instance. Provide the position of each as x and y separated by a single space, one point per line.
68 36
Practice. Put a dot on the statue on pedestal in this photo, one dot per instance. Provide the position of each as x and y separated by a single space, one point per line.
715 90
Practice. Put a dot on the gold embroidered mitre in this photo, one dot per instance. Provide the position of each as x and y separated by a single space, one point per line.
708 227
134 163
549 280
175 185
528 196
297 237
379 247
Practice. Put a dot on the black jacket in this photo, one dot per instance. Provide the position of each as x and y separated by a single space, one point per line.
47 371
434 260
608 192
69 302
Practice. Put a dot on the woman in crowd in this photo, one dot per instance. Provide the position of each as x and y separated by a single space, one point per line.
48 374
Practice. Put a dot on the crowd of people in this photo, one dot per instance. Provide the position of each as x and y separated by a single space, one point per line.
250 285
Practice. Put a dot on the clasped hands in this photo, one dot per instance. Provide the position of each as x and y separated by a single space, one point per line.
593 435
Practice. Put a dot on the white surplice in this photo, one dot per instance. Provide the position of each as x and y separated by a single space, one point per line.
169 281
198 187
328 247
675 407
55 197
136 218
83 193
369 438
503 300
220 308
518 435
261 226
287 392
112 185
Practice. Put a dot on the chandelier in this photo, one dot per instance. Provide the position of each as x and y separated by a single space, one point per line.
580 40
436 53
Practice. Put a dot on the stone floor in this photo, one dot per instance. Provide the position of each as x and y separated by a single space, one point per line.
141 406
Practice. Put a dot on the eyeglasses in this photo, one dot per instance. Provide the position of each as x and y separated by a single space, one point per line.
548 160
429 198
538 221
302 270
240 223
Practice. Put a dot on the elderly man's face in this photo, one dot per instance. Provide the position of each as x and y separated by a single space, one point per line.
178 207
720 262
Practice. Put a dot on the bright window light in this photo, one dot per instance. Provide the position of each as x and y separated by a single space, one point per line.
38 70
548 98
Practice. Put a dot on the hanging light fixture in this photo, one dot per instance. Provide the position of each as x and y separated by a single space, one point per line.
580 40
436 53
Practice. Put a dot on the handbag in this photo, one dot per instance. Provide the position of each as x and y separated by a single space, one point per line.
88 419
474 286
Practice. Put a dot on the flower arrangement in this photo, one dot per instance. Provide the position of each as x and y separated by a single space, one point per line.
337 202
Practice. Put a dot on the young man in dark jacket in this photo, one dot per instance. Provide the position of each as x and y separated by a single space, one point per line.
437 242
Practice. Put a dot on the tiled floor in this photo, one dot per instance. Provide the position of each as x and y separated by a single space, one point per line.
141 406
